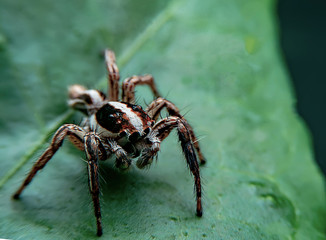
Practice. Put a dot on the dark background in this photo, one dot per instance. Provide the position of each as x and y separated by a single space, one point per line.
303 39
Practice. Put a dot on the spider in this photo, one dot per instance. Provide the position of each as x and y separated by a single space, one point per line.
120 128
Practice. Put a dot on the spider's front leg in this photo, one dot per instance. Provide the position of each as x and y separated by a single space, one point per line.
75 134
159 132
97 149
92 146
154 110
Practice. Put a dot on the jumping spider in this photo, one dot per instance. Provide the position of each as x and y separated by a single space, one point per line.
121 128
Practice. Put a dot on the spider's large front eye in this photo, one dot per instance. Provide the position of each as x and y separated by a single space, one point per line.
136 108
134 137
146 131
123 134
109 118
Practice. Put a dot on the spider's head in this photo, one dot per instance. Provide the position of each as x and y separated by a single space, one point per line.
122 120
83 99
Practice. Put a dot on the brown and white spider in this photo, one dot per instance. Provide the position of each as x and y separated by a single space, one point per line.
120 128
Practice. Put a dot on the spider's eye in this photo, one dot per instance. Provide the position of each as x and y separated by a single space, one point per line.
122 134
136 107
146 132
134 137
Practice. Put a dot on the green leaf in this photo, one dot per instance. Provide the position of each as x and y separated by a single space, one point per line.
218 60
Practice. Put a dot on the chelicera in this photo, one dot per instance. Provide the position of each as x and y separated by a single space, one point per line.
121 129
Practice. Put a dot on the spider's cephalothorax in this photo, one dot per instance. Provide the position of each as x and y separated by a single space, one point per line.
122 129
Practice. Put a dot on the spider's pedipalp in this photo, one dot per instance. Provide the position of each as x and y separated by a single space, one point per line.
122 160
148 154
77 134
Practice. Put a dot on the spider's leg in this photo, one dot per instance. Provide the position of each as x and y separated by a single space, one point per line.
159 132
189 152
85 100
154 109
75 134
113 75
128 87
92 143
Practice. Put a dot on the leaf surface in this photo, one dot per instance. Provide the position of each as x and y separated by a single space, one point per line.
218 61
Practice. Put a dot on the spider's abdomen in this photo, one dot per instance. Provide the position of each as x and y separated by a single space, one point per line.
117 119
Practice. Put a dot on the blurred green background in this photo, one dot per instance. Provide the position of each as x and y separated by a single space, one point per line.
303 39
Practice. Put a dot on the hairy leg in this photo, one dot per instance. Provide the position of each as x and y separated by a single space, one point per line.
91 144
128 87
159 132
94 149
85 100
154 110
113 75
75 134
